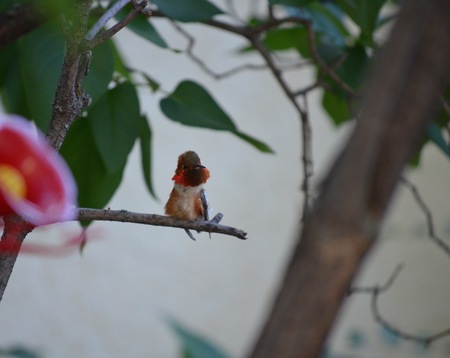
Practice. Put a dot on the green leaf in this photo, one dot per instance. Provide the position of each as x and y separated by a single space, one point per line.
296 3
193 345
279 39
12 90
119 64
191 105
365 14
434 133
96 185
145 139
336 107
41 58
354 67
188 10
263 147
101 70
115 125
142 27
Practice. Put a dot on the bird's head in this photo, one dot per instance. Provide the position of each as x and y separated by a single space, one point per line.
190 171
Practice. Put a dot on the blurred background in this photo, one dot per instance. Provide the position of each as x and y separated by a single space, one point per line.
114 300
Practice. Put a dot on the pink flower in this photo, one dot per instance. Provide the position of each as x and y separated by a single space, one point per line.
35 182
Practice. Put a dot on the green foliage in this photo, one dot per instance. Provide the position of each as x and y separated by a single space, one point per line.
101 71
41 56
96 185
98 145
192 105
188 10
365 14
142 27
193 345
115 125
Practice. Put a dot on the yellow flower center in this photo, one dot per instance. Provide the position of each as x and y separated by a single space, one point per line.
12 181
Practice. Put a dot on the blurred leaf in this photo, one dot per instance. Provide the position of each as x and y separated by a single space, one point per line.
434 133
336 107
145 139
188 10
192 105
6 5
58 7
193 345
119 64
354 67
19 352
152 83
96 185
143 27
298 3
115 122
365 14
12 90
100 72
279 39
41 58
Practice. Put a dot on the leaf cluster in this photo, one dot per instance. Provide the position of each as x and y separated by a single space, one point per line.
346 34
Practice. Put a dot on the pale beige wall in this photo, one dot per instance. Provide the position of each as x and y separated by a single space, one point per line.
111 301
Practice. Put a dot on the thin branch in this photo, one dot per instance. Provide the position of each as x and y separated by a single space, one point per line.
375 292
425 340
306 158
323 65
428 216
136 10
159 220
378 288
108 15
196 59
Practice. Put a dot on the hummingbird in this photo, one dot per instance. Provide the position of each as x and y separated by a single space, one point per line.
188 199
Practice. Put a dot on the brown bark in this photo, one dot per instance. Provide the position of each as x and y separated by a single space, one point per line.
403 92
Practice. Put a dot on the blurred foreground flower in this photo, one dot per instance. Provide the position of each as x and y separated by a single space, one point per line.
35 182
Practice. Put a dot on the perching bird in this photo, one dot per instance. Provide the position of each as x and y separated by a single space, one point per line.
188 199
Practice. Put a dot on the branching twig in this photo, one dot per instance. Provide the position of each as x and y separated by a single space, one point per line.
378 288
212 226
428 216
196 59
136 10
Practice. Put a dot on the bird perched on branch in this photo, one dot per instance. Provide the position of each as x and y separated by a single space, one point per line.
188 199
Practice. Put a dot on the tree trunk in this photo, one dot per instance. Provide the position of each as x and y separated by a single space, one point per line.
408 77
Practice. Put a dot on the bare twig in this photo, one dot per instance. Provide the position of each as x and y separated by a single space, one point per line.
375 292
160 220
196 59
306 158
108 15
378 288
102 37
428 216
322 64
425 340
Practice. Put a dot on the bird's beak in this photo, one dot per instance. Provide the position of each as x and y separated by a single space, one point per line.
199 166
